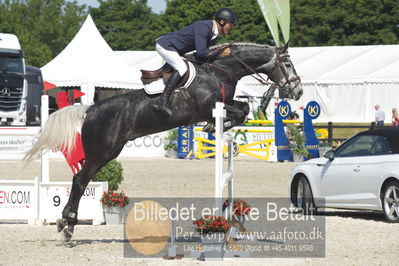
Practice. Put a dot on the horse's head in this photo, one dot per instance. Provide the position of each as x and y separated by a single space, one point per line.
281 70
272 61
288 80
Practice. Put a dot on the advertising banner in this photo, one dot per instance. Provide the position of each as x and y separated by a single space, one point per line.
18 199
283 17
16 141
54 196
269 12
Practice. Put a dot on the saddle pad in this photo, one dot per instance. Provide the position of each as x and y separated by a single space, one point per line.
157 86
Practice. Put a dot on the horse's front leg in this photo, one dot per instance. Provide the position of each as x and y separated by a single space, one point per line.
236 114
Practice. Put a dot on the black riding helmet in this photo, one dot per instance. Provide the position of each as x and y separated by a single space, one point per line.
227 15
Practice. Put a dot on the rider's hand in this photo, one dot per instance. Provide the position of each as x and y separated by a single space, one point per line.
225 52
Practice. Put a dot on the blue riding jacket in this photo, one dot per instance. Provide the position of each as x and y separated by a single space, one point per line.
196 36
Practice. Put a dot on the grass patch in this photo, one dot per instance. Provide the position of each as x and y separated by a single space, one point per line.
344 133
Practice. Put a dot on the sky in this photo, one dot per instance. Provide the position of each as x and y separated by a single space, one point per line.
156 5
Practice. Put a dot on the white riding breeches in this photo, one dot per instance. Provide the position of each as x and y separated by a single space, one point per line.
172 58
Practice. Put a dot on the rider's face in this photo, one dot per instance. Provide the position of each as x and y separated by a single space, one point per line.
228 27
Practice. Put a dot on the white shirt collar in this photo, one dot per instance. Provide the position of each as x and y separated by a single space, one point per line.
215 30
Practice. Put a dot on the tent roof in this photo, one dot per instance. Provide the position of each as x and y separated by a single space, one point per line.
88 60
137 60
347 64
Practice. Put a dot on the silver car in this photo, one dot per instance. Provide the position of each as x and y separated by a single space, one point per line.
362 173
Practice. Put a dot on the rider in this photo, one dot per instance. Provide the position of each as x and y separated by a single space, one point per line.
197 36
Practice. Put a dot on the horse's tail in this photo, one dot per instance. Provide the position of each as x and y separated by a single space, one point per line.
60 131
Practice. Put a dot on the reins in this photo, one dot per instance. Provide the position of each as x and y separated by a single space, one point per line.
259 78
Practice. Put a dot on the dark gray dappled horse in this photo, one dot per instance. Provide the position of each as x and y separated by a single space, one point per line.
109 124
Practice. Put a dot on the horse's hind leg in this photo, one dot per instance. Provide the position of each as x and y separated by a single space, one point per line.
80 182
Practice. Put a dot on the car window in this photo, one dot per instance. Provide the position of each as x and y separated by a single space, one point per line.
358 146
381 146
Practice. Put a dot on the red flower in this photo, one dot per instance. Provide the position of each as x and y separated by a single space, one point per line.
111 198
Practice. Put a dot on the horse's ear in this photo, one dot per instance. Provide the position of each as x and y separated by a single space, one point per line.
285 47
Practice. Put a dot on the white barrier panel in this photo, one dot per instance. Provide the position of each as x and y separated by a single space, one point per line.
19 199
55 195
16 141
147 146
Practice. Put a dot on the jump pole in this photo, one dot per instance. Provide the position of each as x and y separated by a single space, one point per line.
221 178
45 165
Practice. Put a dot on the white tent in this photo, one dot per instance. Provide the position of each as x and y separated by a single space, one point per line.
137 60
348 81
89 62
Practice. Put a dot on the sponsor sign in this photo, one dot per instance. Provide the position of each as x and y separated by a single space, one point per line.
55 195
16 141
18 199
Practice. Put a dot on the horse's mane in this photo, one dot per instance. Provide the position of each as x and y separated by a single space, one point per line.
241 44
234 44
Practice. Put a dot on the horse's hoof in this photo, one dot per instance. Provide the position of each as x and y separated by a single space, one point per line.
208 128
67 235
61 223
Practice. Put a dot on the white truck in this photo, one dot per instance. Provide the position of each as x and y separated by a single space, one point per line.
13 83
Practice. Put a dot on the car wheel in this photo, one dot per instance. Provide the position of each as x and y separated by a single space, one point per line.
390 202
304 197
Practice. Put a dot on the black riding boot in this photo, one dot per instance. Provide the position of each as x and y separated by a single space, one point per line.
170 85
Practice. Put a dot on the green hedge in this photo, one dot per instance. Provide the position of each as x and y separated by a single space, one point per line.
111 173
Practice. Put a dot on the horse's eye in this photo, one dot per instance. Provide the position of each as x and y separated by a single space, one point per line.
287 64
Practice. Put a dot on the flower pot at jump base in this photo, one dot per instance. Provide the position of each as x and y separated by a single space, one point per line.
296 158
114 215
171 153
214 245
235 231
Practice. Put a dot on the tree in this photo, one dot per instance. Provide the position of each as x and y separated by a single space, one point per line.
344 22
127 25
43 27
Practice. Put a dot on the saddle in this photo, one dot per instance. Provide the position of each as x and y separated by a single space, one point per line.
148 76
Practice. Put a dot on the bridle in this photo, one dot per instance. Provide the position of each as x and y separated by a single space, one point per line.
280 57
